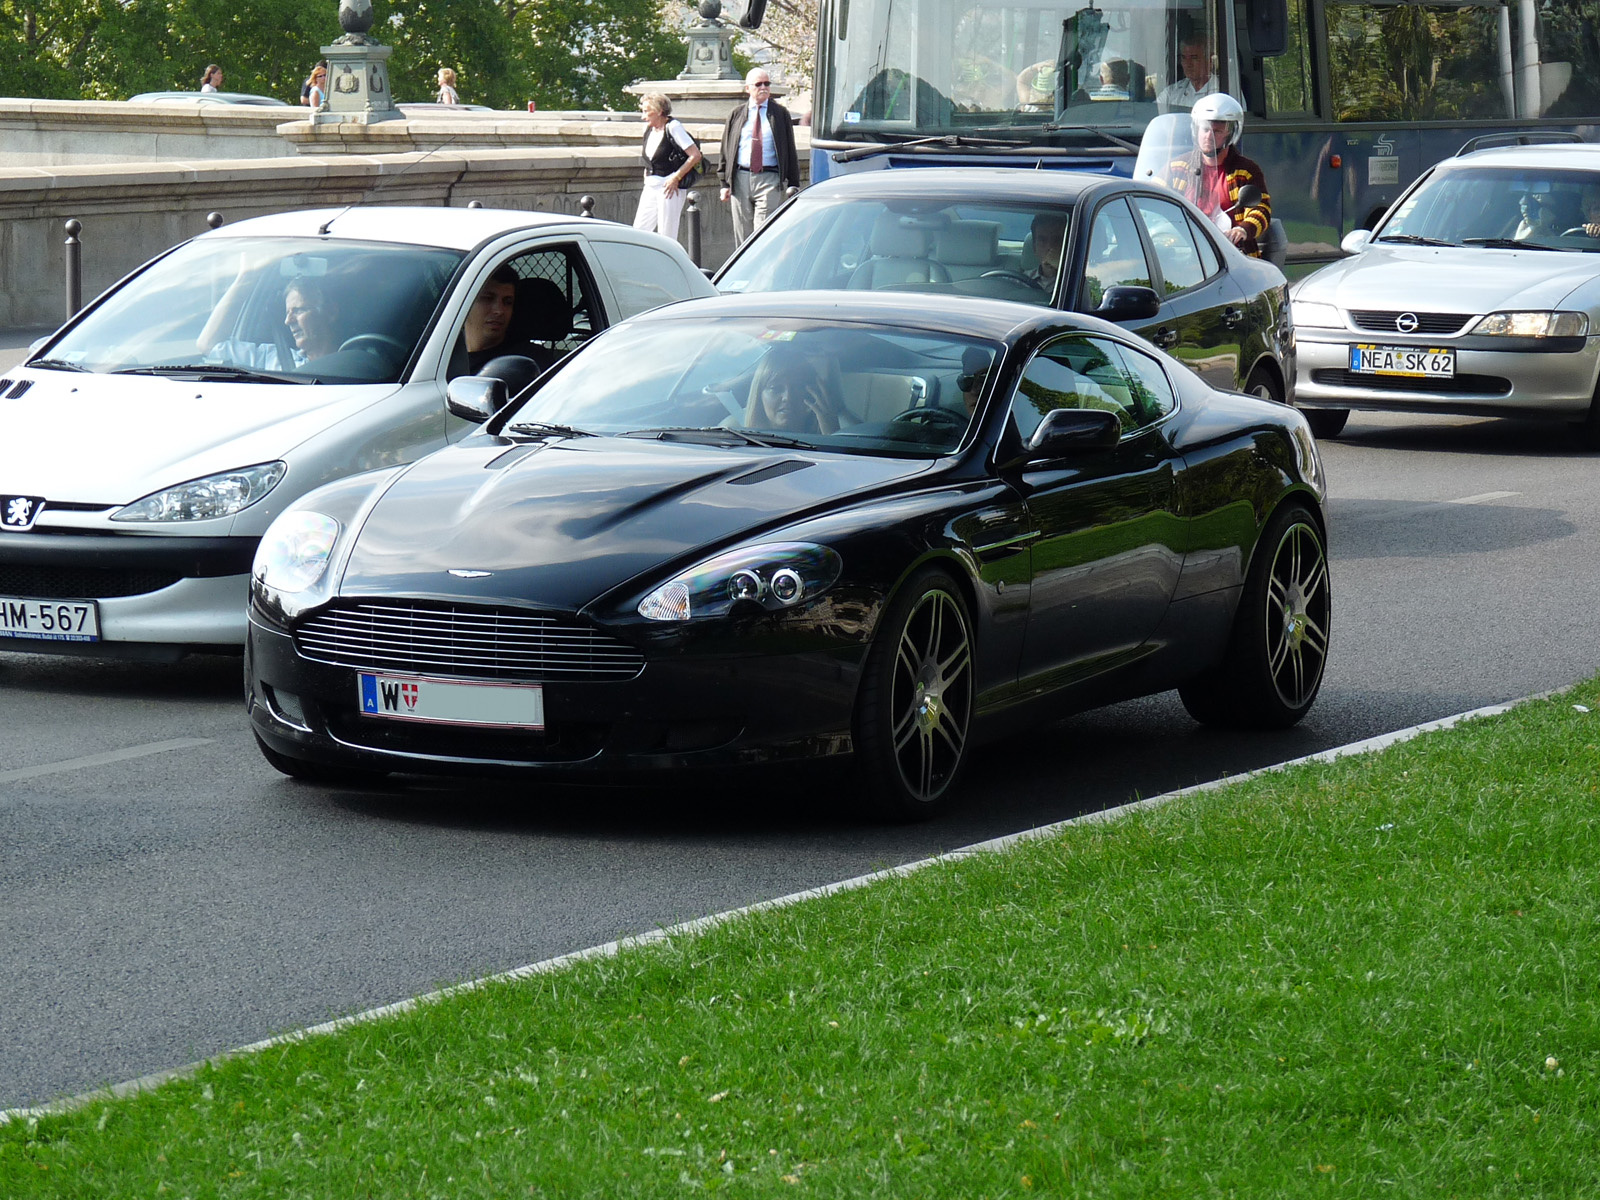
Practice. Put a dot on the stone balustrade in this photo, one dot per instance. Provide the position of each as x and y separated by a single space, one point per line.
132 210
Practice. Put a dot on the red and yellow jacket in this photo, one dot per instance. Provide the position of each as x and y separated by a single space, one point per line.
1184 177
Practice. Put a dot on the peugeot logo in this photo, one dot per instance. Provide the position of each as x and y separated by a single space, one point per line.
20 512
1406 322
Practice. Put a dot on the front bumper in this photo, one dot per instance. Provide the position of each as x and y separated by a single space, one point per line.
1520 378
173 593
689 711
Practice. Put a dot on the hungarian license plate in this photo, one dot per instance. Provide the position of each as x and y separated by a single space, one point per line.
1412 361
451 702
50 620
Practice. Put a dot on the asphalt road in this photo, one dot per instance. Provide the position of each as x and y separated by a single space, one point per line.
178 901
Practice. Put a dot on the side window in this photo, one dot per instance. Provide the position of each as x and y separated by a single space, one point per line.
1407 62
1176 253
1116 255
1210 260
1072 372
642 277
534 305
1153 397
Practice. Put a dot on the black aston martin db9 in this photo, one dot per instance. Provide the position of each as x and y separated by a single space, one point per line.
786 526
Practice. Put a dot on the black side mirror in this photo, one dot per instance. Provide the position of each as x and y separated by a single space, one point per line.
1249 197
475 398
1269 27
1065 430
1128 302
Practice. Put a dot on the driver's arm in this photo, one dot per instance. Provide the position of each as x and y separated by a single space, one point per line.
226 315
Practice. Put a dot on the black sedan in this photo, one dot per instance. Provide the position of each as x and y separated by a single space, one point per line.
782 527
1133 253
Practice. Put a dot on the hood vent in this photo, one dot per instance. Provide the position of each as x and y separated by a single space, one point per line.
775 471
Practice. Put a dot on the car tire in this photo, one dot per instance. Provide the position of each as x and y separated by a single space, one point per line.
1588 429
1326 422
913 714
1278 648
314 772
1262 384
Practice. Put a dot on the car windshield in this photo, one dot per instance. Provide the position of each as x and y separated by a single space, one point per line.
303 310
1006 251
736 381
1522 207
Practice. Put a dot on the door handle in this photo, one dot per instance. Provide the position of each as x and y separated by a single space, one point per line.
1164 337
1232 316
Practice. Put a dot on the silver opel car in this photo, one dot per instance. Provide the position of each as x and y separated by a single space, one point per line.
1478 293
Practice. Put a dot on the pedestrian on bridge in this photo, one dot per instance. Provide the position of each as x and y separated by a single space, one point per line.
758 156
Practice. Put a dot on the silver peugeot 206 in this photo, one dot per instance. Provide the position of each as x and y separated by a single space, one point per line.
1478 293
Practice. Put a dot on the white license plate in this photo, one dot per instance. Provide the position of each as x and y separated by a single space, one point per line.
449 702
50 620
1411 361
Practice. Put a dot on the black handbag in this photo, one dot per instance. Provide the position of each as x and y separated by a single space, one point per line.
676 157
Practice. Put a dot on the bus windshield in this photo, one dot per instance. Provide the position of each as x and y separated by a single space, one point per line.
894 71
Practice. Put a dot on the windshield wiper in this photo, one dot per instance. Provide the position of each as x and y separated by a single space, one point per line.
58 364
545 429
1411 239
216 371
1111 138
712 435
1499 243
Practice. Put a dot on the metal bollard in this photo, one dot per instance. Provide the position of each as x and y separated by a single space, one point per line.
214 220
586 206
691 215
74 268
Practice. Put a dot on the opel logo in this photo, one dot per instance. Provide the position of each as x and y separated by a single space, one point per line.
1406 322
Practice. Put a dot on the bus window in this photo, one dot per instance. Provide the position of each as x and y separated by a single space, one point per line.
1286 78
1451 63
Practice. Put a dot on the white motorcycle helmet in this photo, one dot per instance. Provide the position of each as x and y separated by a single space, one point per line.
1219 106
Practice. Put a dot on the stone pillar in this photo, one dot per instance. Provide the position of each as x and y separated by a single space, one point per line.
358 85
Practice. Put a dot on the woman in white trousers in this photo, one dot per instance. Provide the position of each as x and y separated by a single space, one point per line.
670 155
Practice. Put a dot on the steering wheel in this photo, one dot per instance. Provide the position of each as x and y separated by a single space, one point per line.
946 420
1016 276
380 344
1576 231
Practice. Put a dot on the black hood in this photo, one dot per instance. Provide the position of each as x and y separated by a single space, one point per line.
558 524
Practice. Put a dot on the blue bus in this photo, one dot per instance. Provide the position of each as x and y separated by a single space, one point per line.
1348 101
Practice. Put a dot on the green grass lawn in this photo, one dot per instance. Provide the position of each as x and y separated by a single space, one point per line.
1375 976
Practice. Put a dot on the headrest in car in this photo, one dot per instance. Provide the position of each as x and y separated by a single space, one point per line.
969 244
893 238
540 313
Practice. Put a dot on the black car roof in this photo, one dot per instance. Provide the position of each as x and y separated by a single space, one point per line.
965 183
961 316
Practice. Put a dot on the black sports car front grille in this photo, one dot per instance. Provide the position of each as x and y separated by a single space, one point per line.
79 583
1469 385
419 637
1383 321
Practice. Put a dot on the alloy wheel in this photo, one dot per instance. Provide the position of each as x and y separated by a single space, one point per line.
1298 606
931 694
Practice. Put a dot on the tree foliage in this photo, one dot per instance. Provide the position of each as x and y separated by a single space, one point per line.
561 53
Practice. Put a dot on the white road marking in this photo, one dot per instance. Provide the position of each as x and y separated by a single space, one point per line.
1484 498
100 760
700 924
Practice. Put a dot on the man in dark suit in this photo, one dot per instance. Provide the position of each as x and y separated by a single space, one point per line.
758 156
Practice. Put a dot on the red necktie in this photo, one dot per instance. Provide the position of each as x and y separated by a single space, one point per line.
757 164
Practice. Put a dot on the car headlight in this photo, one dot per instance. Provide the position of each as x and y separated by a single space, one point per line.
203 499
295 551
776 576
1534 324
1316 314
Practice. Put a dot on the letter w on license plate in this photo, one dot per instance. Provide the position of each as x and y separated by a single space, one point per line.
1411 361
451 702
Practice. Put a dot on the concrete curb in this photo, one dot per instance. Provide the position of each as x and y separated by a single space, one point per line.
700 924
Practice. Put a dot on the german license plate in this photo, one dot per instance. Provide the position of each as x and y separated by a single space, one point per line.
451 702
49 620
1412 361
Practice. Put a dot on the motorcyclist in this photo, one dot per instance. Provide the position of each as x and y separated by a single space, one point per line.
1213 174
